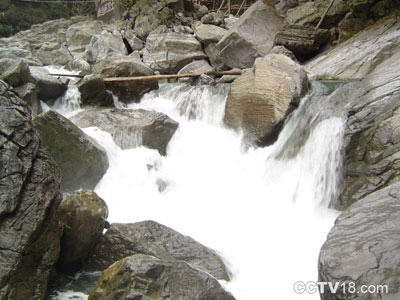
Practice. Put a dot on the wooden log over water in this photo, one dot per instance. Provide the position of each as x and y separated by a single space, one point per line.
159 77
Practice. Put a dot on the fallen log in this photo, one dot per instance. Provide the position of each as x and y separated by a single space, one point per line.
172 76
159 77
66 75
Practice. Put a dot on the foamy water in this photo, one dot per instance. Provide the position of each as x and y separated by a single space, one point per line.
264 212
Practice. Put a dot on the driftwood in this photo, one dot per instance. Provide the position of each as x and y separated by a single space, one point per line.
158 77
65 75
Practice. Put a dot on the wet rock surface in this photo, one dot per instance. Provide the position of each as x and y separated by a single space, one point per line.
371 144
262 96
360 55
363 247
131 128
143 276
93 92
126 66
83 215
29 196
82 161
49 87
154 239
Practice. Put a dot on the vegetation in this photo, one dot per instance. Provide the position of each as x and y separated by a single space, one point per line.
18 15
126 3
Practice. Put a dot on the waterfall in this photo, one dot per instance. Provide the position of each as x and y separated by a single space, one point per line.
265 210
69 103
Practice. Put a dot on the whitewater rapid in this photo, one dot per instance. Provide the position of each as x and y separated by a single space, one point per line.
264 211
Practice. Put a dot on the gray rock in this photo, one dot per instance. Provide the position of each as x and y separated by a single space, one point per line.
360 55
104 45
363 247
230 22
79 64
16 53
131 128
149 14
154 239
214 57
80 34
371 134
83 215
196 66
28 93
284 5
93 92
228 78
284 51
200 11
208 33
304 42
134 42
82 161
29 196
16 75
251 37
146 277
49 87
126 66
169 52
52 53
214 18
264 95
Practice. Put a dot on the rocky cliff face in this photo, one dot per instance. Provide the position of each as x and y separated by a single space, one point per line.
29 196
361 246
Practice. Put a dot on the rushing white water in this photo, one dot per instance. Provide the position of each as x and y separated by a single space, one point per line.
265 212
68 104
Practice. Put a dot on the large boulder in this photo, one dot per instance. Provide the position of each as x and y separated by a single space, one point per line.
252 36
207 33
154 239
126 66
362 249
304 42
360 55
104 45
82 161
10 52
29 196
214 57
83 215
264 95
49 87
93 92
131 128
81 34
169 52
28 93
146 277
17 74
